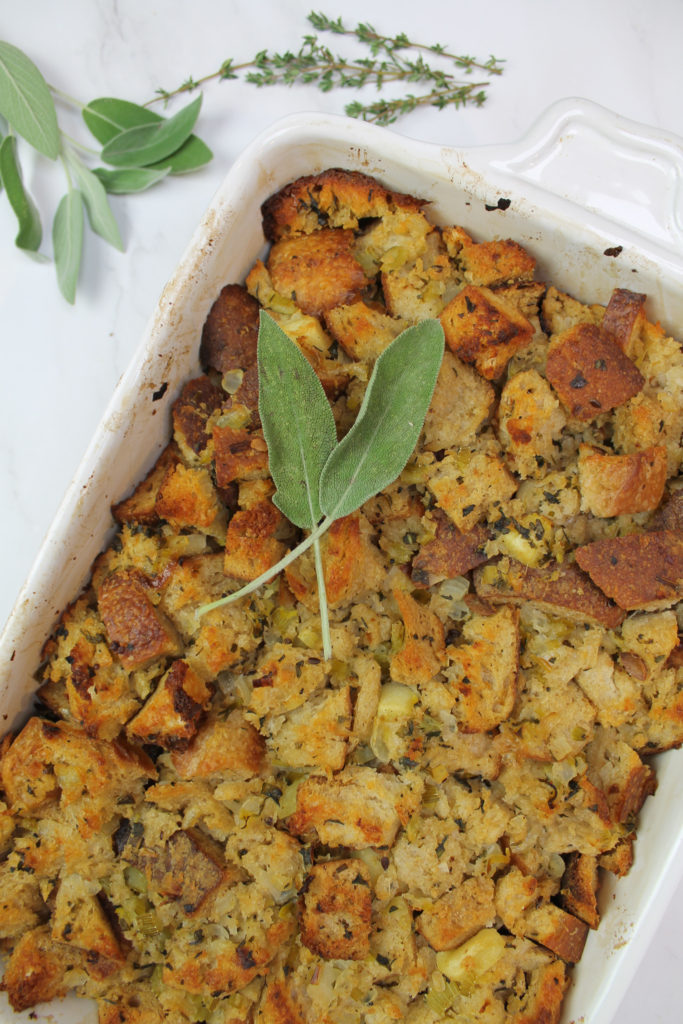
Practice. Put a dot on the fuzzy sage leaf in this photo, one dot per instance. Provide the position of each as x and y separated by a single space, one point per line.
30 232
67 240
298 424
26 102
148 144
389 422
100 215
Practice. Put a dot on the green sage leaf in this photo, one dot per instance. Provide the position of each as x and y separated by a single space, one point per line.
30 233
67 241
298 423
124 180
107 117
26 101
149 143
389 421
100 214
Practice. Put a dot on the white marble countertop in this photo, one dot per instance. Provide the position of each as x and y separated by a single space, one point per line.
61 363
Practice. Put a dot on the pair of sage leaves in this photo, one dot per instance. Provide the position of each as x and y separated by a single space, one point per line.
139 146
319 479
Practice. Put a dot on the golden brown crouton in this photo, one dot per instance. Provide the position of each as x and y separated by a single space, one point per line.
562 589
80 920
240 454
317 271
482 670
542 1003
624 314
251 542
171 715
529 421
580 887
188 498
458 914
590 373
422 654
21 904
557 930
494 263
228 745
198 401
363 331
450 553
460 406
619 772
130 1004
227 636
617 485
278 1004
138 633
641 570
334 198
359 807
560 311
484 330
188 868
140 506
336 909
37 969
316 734
230 331
468 483
284 678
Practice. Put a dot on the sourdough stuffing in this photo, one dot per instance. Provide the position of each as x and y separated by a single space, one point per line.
206 821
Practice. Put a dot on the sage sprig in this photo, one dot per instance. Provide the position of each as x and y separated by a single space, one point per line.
319 479
140 146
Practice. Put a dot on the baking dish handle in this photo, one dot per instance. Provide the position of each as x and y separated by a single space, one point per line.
623 171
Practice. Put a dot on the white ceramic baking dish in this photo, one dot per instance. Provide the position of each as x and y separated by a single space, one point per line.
597 199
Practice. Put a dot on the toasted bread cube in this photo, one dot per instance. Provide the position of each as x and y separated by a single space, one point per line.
458 914
317 271
590 373
418 278
484 330
336 910
460 406
482 671
198 401
580 888
230 331
171 715
557 930
225 639
284 678
469 482
495 263
619 860
620 773
79 919
451 553
618 485
542 1002
140 506
560 311
188 868
316 734
334 198
130 1004
624 314
422 654
36 971
137 631
530 419
363 331
240 454
278 1004
641 570
251 544
188 498
358 807
561 589
21 904
222 746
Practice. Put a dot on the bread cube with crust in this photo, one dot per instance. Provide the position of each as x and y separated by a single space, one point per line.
170 716
79 919
580 888
468 482
557 930
222 746
230 331
284 678
530 420
624 315
362 330
314 735
423 650
37 969
187 498
358 807
450 553
333 198
21 904
590 372
492 263
240 453
336 910
458 914
484 330
617 485
252 542
317 271
140 506
637 571
137 632
481 671
198 402
542 1000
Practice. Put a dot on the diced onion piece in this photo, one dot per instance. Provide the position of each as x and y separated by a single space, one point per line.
473 958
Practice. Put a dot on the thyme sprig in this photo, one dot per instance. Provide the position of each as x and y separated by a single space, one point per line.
389 60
